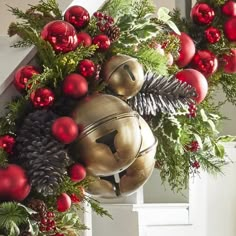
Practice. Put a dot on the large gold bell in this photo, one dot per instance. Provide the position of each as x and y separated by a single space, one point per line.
111 136
124 75
129 180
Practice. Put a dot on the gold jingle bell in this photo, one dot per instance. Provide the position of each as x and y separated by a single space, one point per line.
124 75
132 178
111 136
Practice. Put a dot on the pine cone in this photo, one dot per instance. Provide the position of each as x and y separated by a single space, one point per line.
39 153
39 206
113 32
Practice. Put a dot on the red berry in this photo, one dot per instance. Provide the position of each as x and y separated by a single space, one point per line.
196 165
42 228
50 214
74 198
77 172
44 221
7 143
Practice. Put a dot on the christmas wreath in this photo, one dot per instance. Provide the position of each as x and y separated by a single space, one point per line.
112 96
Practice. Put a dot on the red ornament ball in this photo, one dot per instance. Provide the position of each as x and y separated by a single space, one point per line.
202 14
102 41
77 16
230 29
14 184
65 129
230 62
23 75
63 202
84 39
205 61
7 143
212 34
87 68
61 35
196 80
75 86
42 98
77 172
229 8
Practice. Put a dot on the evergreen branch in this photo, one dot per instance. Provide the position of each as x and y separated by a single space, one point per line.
228 82
143 8
3 158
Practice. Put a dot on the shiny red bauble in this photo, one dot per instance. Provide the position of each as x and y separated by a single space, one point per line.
42 98
14 184
197 80
230 62
22 77
84 39
212 34
87 68
205 61
102 41
63 202
202 14
77 16
7 143
75 86
65 129
77 172
61 35
187 50
229 8
230 29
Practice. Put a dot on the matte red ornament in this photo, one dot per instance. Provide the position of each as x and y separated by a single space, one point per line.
229 8
65 129
75 86
61 35
102 41
14 183
42 98
230 29
212 34
63 202
23 75
230 62
197 80
202 14
77 172
87 68
77 16
205 61
84 39
7 143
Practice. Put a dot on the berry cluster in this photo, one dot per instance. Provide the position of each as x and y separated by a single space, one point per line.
195 165
193 147
103 21
192 110
48 223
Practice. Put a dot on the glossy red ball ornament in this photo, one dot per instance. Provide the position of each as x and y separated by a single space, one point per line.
229 8
61 35
87 68
202 14
75 86
63 202
230 62
42 98
212 34
14 183
23 75
84 39
77 16
77 172
102 41
197 80
230 29
7 143
65 129
205 61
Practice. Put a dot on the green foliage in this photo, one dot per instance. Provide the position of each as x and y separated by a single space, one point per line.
3 158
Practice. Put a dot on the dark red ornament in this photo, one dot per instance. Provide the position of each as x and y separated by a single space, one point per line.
42 98
63 202
230 29
102 41
87 68
7 143
84 39
61 35
212 34
205 61
229 61
23 75
65 129
75 86
77 172
14 183
229 8
77 16
202 14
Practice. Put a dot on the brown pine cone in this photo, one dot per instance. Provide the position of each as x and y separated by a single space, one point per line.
39 206
113 32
